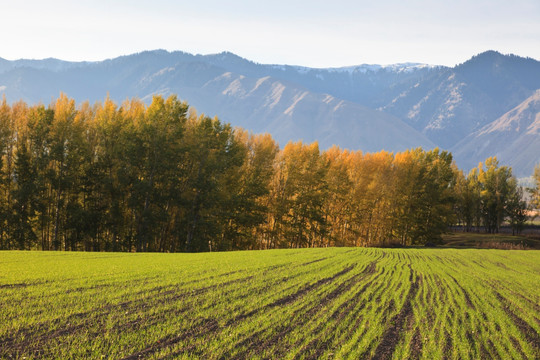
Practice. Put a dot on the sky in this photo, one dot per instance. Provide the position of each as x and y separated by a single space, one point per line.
311 33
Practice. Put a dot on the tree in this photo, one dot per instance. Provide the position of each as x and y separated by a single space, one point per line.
535 192
82 225
516 208
464 205
162 178
246 192
423 199
24 197
156 157
474 188
39 127
339 207
301 194
496 189
212 153
437 196
7 139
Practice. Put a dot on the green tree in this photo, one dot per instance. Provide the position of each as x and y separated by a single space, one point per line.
24 198
464 205
437 196
5 139
39 126
496 189
212 154
516 208
157 155
423 196
246 188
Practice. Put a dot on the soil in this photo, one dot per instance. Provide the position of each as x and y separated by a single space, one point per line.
390 337
527 330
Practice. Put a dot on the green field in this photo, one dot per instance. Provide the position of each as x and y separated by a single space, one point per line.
310 303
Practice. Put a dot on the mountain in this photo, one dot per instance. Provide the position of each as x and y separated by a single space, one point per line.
514 138
217 85
450 104
45 64
367 107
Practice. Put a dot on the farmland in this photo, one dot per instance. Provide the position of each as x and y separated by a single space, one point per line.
298 303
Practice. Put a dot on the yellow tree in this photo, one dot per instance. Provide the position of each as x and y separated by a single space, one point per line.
373 178
59 174
39 128
339 205
80 174
300 194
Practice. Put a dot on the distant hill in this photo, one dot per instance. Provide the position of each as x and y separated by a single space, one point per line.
367 107
514 138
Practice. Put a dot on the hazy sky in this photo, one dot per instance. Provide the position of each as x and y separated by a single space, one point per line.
311 33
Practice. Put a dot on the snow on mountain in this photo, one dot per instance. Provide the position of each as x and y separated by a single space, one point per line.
363 68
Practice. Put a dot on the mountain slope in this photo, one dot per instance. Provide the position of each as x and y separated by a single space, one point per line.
514 138
452 103
290 112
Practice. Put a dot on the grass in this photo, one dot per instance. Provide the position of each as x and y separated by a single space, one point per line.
343 303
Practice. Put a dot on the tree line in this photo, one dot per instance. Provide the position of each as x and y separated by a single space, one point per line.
133 177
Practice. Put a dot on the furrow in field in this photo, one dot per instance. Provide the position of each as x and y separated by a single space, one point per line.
390 337
361 338
465 294
40 334
415 344
258 344
441 307
517 346
203 328
448 345
348 313
532 336
265 338
18 285
325 331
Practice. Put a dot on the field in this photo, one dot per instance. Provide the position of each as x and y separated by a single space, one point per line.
338 303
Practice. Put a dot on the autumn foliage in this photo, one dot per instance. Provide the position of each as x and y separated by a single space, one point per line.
162 178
